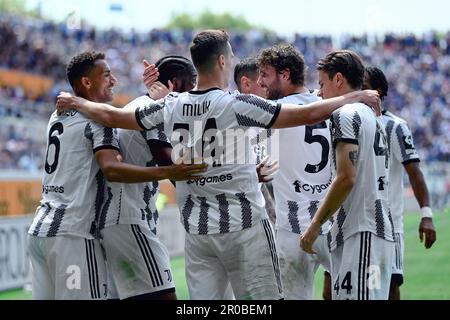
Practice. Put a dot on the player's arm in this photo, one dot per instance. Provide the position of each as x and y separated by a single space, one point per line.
291 115
102 113
342 185
419 186
117 171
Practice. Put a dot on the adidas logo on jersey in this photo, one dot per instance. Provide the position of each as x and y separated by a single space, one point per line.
213 179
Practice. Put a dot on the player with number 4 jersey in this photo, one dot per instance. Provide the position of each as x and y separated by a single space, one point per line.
362 237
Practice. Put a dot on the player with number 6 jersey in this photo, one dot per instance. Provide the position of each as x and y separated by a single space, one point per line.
227 198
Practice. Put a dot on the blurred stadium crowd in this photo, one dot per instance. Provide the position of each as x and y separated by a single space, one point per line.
418 70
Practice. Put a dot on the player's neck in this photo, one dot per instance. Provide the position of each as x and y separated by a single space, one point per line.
208 81
293 89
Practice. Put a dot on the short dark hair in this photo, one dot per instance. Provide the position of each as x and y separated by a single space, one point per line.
377 80
285 56
348 63
81 65
207 46
246 67
174 66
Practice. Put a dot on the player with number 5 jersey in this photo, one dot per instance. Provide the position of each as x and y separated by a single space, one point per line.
227 198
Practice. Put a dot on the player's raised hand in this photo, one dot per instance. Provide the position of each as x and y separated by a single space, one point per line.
372 99
150 74
267 169
308 238
158 91
426 229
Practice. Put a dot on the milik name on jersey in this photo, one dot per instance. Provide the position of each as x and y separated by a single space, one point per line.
196 109
313 188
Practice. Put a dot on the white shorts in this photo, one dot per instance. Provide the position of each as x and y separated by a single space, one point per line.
67 268
361 268
298 268
138 263
246 259
397 266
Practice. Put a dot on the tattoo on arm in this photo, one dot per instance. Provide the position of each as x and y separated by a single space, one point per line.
353 156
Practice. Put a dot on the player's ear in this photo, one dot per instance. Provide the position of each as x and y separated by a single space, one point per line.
244 82
222 61
338 79
286 74
85 82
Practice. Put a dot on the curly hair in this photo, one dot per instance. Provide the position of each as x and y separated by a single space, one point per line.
81 65
282 57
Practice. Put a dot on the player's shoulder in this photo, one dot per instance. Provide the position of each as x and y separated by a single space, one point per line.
300 98
389 116
351 109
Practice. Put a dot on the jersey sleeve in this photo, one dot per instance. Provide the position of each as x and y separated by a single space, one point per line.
403 145
101 137
345 126
150 114
252 111
156 133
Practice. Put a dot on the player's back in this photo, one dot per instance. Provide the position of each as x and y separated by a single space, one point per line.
366 207
227 198
73 184
305 172
402 151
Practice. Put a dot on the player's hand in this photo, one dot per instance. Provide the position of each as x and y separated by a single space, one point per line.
308 238
66 100
150 74
180 172
426 229
267 169
158 90
372 99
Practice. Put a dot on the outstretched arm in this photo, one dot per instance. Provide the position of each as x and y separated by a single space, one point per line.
102 113
342 185
291 115
117 171
419 186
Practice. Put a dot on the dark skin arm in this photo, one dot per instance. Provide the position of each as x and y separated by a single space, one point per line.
161 152
117 171
419 186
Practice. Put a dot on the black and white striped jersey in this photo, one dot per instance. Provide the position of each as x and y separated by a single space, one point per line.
366 207
402 151
214 124
134 203
305 171
73 184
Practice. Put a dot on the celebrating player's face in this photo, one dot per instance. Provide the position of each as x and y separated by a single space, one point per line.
103 82
327 86
269 79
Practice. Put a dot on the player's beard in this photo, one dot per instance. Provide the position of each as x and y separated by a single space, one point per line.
274 91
